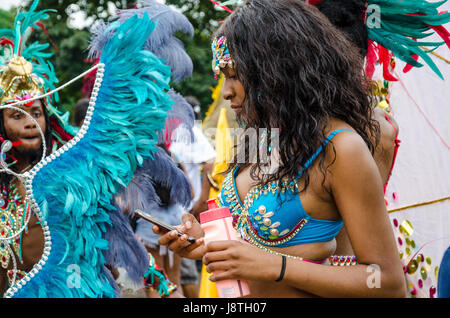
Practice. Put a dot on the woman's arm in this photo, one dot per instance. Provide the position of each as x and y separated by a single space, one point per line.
180 244
357 191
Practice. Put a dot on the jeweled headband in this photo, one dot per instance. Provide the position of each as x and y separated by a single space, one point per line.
221 55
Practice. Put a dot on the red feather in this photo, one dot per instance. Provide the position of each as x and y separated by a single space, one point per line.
89 79
65 136
171 125
314 2
222 6
443 33
41 25
4 41
371 59
385 60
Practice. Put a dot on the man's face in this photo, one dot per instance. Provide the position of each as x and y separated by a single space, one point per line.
20 127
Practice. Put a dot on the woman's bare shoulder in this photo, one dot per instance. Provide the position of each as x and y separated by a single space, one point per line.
345 142
388 125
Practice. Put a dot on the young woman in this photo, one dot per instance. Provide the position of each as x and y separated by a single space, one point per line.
288 68
347 17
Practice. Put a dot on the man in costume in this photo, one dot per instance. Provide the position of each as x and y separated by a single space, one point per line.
21 128
58 211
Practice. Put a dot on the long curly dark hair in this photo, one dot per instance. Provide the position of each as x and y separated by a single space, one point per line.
298 71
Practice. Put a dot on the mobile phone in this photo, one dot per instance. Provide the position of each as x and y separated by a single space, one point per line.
161 224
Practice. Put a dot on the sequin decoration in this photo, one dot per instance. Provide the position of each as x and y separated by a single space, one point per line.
19 275
342 260
258 224
13 215
221 55
420 277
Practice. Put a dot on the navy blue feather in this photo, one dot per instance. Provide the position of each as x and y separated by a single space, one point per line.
74 191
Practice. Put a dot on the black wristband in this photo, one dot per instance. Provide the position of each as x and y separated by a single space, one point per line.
283 268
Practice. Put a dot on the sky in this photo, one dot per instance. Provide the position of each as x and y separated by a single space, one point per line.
7 4
77 20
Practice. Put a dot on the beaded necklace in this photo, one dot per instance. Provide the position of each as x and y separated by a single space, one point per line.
14 217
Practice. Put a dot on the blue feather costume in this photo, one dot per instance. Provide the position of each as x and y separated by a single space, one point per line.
71 191
159 169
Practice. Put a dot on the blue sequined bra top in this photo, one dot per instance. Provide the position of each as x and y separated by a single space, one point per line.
265 219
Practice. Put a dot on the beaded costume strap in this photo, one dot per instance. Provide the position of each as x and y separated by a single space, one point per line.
335 260
245 235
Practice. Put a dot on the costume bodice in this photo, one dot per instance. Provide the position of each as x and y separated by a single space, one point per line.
273 214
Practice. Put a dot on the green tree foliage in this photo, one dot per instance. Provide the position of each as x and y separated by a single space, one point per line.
71 43
205 18
6 19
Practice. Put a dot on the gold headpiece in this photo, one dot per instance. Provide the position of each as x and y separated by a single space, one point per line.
17 81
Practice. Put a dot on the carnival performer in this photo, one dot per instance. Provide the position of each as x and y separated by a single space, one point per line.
23 132
21 126
57 211
347 17
291 215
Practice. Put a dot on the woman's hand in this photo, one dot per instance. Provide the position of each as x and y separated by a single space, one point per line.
180 244
240 260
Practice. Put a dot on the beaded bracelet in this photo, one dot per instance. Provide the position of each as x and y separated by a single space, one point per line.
162 285
342 260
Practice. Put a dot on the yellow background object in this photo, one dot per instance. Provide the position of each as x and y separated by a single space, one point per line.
223 145
207 288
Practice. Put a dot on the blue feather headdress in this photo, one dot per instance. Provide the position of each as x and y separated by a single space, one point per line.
397 28
159 168
71 191
24 24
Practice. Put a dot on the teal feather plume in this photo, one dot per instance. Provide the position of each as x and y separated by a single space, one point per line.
75 190
403 24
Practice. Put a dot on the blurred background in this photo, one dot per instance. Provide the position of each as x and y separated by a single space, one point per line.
68 32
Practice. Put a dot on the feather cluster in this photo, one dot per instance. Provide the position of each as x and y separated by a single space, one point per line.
14 41
75 191
401 27
159 170
162 41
